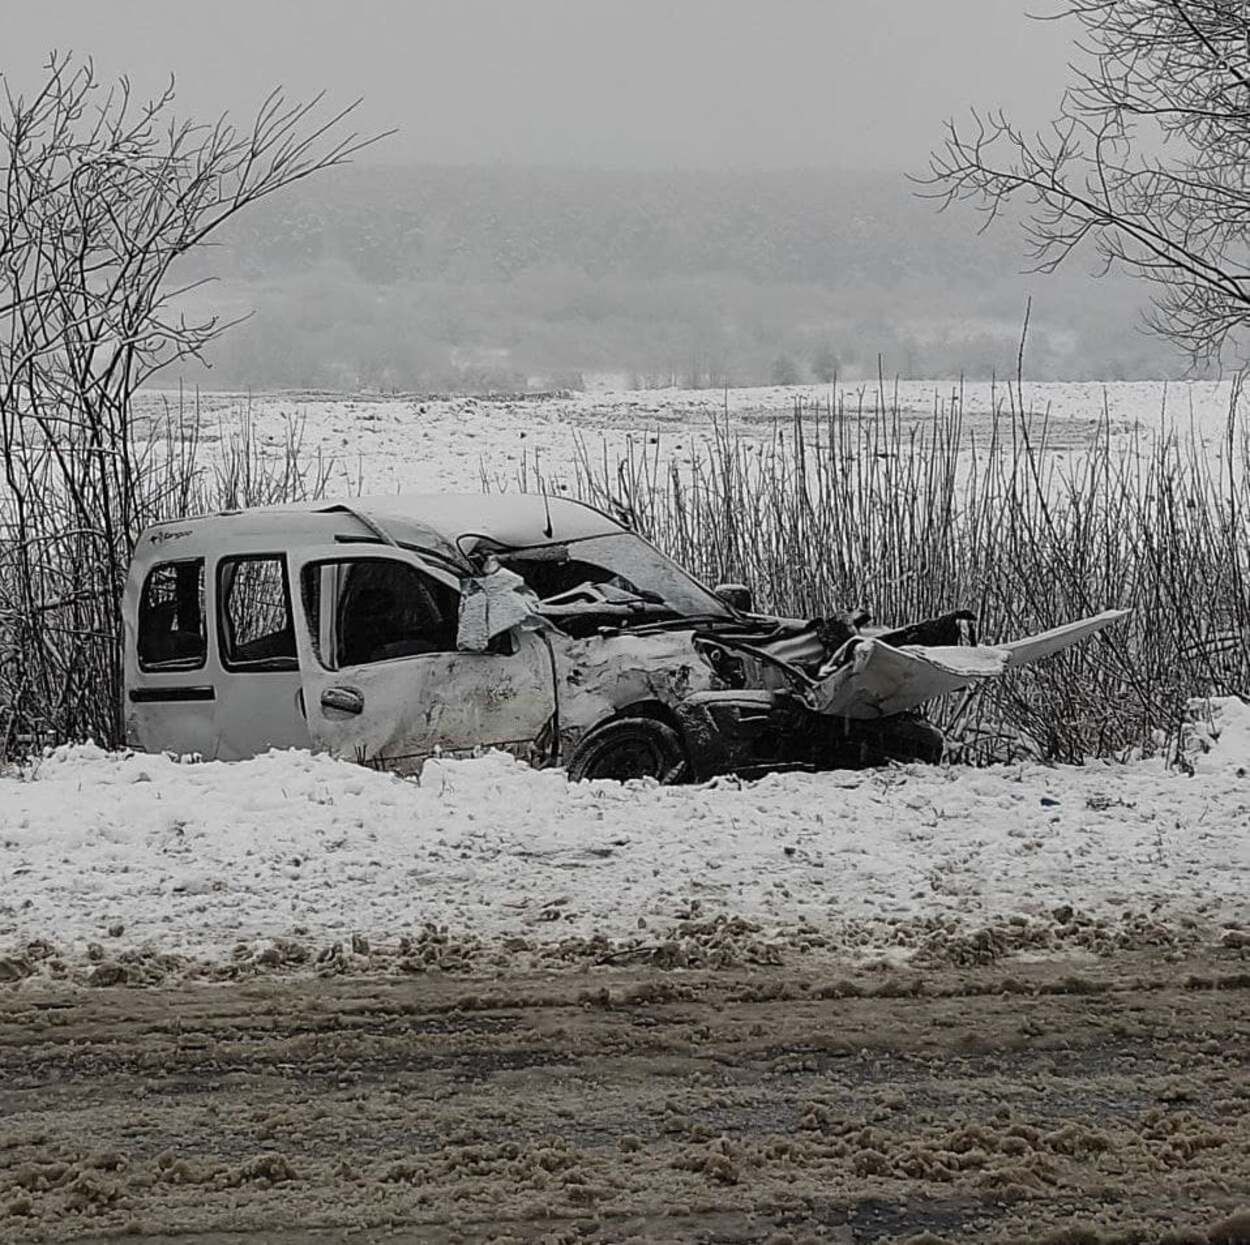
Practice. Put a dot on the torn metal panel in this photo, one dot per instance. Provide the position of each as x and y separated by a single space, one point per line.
492 604
874 679
877 680
1034 648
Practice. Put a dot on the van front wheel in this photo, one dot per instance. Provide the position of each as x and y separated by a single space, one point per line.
630 748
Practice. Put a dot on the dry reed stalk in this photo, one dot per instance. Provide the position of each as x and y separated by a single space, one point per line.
61 575
849 502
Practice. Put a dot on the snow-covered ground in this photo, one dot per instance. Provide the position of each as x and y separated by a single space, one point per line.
415 444
194 858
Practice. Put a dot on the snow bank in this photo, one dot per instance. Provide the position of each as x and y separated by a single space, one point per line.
195 857
1217 739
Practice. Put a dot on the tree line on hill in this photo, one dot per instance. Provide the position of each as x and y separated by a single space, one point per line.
430 278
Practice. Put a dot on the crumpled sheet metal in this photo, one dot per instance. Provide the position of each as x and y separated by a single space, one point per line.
880 680
601 675
1035 647
493 603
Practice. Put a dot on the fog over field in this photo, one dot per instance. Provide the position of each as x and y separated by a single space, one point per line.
706 193
473 278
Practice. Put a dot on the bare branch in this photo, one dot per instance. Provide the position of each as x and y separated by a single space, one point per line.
100 194
1149 159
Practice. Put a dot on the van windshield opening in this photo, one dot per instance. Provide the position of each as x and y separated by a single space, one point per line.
622 562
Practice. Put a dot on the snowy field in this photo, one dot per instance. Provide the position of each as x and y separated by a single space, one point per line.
429 445
211 861
196 858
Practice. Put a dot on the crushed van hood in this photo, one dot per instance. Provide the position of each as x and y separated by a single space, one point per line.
870 678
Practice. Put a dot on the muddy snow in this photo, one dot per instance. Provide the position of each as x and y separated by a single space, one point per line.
1023 1104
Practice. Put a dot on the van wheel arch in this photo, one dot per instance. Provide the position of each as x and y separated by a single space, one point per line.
642 740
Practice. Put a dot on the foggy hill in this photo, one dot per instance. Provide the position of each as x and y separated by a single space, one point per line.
434 278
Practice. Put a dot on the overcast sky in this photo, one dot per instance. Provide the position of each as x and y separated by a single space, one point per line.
637 83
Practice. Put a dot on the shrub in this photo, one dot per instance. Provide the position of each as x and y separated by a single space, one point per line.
60 649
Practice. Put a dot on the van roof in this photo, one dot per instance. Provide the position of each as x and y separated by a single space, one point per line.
515 519
438 521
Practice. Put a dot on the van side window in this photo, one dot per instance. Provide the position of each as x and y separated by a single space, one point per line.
171 617
381 610
254 614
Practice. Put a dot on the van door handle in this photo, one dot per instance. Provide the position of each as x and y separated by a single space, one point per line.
344 699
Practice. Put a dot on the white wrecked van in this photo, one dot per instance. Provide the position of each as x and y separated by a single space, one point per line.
388 629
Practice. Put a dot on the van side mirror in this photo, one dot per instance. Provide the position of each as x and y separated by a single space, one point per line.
736 595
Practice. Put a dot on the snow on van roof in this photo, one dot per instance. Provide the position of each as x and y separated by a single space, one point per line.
505 518
439 521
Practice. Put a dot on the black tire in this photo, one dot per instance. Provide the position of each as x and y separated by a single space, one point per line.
628 748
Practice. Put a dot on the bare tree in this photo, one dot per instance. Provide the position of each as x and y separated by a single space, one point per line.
102 194
1148 159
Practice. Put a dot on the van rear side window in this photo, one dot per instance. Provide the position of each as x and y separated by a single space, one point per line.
172 634
254 609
